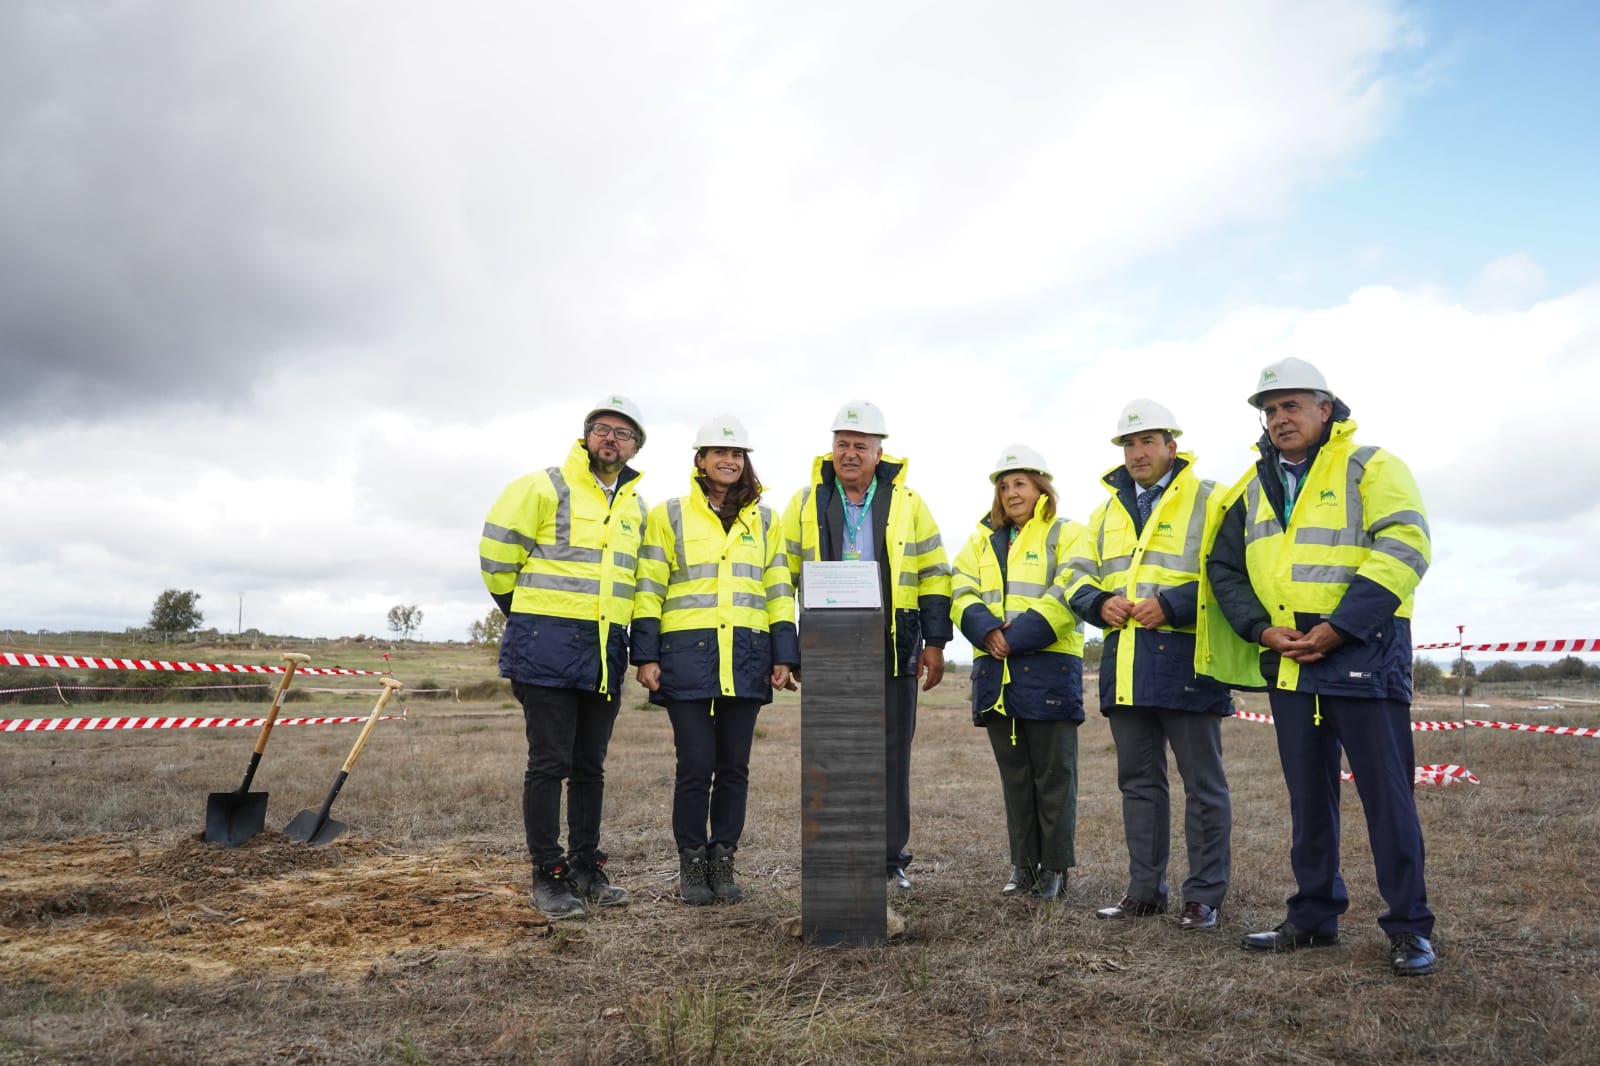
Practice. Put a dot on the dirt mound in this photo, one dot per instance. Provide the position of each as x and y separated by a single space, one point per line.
101 911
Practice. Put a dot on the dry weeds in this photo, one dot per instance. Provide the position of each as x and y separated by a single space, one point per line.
123 938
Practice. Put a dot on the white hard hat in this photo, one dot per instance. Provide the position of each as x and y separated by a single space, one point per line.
1020 457
1293 374
618 404
860 416
722 431
1142 416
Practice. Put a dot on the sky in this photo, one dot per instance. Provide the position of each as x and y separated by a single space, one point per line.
289 291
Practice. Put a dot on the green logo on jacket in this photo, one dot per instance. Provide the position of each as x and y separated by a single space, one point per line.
1030 555
747 538
1326 494
1163 527
625 527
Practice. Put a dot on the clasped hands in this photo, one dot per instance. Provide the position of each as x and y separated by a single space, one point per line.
1300 647
1147 612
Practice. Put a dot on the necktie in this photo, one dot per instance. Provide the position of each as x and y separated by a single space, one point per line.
1147 503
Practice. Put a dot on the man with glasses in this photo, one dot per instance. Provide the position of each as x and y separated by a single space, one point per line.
1316 560
559 552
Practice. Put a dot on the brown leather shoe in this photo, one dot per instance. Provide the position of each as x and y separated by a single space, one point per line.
1198 916
1132 908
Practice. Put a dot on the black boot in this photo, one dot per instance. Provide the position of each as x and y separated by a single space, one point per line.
590 882
552 891
694 878
720 874
1021 882
1050 885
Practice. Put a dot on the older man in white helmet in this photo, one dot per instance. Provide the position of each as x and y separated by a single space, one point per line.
1148 538
1314 567
859 507
559 553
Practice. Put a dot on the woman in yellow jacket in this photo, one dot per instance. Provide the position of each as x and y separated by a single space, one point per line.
1012 584
713 633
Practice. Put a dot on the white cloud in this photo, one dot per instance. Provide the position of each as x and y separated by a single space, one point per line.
290 308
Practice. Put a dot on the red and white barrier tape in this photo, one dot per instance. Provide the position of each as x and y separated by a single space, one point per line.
1431 775
52 725
89 662
1519 645
1416 727
1560 730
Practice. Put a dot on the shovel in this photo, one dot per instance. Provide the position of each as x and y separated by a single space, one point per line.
234 817
315 827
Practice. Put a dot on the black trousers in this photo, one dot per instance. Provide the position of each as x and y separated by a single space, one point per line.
899 727
1376 735
713 738
568 732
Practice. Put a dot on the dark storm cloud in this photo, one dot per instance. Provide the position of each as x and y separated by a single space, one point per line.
173 206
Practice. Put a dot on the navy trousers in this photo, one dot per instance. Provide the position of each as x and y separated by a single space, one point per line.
713 740
1376 734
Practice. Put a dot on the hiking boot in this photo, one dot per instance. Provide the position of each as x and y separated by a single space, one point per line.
589 881
720 874
552 892
694 878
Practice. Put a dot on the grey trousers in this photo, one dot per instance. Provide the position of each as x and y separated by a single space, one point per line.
1142 735
900 726
1039 780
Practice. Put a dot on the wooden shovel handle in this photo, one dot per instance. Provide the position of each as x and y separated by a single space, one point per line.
390 687
293 658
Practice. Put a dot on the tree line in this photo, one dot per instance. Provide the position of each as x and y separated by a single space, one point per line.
1429 676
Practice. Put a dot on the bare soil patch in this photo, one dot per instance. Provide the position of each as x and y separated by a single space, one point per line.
97 912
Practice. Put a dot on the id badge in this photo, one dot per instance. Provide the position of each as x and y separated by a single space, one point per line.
852 556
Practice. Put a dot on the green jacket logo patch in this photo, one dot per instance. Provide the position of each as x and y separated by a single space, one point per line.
1326 495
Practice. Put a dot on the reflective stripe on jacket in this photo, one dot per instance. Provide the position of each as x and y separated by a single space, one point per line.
1354 550
1026 585
912 568
567 561
1142 667
715 607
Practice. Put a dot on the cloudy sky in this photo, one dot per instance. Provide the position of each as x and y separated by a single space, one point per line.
289 291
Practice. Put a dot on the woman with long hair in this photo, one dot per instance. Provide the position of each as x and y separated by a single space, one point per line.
713 634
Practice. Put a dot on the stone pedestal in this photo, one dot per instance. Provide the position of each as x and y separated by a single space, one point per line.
842 890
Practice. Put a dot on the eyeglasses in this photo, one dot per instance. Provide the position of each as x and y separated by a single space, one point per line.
603 429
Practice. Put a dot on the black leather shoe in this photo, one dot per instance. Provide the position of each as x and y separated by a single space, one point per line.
1050 885
1198 916
898 879
1021 882
1411 955
1287 937
1132 908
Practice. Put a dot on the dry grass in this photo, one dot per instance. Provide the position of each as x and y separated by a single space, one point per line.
975 979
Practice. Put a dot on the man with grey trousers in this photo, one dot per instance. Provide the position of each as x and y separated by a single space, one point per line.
1148 539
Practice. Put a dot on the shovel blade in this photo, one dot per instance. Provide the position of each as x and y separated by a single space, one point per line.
303 828
234 817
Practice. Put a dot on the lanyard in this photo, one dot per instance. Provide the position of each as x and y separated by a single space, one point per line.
852 530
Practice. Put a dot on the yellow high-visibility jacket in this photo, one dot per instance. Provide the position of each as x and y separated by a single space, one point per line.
715 607
560 562
1351 554
912 567
1142 667
1028 584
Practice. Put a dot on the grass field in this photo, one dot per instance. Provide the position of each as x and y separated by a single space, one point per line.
123 938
